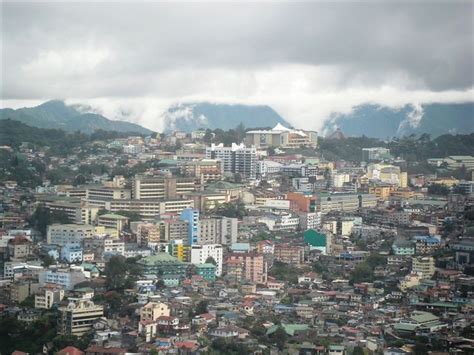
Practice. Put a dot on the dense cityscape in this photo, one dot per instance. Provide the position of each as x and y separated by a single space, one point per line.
263 240
242 177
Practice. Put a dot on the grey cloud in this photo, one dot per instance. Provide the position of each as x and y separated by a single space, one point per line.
173 50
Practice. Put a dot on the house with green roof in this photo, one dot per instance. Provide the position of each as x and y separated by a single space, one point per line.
166 267
316 240
290 329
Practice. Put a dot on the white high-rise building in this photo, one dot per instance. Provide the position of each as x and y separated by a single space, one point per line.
200 253
236 159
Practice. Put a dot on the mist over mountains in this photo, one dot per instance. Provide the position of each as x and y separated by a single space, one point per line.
385 122
371 120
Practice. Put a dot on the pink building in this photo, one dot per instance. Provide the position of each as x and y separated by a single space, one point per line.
252 265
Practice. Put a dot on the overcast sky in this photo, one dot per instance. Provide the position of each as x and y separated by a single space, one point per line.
305 60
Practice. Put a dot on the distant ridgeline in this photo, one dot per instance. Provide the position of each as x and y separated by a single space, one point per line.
385 122
57 115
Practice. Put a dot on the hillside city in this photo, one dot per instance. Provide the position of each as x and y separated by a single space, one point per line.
266 240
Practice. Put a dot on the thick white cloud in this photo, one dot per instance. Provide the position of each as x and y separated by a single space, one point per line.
306 60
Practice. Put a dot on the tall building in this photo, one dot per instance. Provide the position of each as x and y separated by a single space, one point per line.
247 266
423 265
77 318
236 159
200 254
218 230
191 215
281 136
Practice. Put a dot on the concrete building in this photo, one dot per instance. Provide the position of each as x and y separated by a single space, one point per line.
65 277
113 221
425 266
289 254
207 271
236 159
71 253
344 202
281 137
153 310
191 216
21 289
47 296
200 254
247 266
162 187
146 207
205 169
19 248
281 221
62 234
168 268
218 230
77 318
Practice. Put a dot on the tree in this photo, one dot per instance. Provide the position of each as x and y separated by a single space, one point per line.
48 260
438 189
279 337
211 260
201 307
358 351
115 272
362 273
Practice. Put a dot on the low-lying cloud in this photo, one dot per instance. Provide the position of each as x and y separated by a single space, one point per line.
307 60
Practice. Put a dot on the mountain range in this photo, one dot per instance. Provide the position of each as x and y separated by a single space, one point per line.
188 117
56 114
370 120
385 122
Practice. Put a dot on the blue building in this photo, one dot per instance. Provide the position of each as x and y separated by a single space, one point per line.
71 253
191 215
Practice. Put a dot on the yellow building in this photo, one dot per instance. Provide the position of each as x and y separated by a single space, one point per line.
424 266
382 192
153 310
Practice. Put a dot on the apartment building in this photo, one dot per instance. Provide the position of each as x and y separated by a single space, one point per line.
79 212
218 230
247 266
77 318
153 310
191 216
205 169
236 159
289 254
424 266
113 221
47 296
65 277
62 234
71 253
344 202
